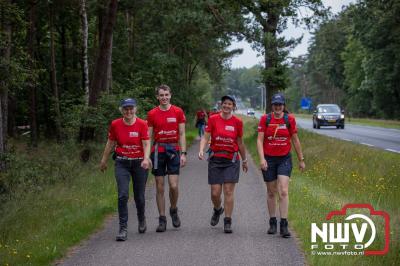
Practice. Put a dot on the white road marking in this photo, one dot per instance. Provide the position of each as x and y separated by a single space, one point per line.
367 144
392 150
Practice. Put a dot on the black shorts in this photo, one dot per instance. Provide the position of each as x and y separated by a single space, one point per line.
277 165
223 170
167 164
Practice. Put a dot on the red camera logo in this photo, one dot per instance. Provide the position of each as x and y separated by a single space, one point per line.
337 235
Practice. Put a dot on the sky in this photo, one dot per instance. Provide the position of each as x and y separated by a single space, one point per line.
249 57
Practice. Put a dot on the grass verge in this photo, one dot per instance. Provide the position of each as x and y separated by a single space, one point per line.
57 202
337 173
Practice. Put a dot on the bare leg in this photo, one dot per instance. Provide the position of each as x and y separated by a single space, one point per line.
283 189
160 195
272 190
173 181
216 191
229 188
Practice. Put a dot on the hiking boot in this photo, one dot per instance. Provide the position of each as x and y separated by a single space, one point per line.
284 231
228 225
176 222
162 226
122 234
273 227
216 215
142 226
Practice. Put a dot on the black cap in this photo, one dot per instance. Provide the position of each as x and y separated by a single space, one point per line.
228 97
278 98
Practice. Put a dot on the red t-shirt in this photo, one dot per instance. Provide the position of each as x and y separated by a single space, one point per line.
165 125
213 113
129 137
200 115
277 136
224 134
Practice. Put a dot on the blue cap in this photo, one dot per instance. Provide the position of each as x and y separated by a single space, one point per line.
228 97
128 102
278 98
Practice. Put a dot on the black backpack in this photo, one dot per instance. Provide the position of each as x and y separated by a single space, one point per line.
285 117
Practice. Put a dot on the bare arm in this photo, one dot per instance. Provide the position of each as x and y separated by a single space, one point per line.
151 136
146 163
107 150
203 143
242 151
182 142
260 150
297 147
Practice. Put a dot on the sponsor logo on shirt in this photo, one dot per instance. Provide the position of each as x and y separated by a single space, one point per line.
277 138
167 132
282 126
229 128
133 134
222 139
171 119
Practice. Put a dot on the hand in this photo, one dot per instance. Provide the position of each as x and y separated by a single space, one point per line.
146 163
245 167
264 164
103 166
183 160
302 165
201 155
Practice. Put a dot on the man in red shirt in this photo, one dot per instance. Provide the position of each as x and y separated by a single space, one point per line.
167 130
201 121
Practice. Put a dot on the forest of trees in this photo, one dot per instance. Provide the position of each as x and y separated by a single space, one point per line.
354 61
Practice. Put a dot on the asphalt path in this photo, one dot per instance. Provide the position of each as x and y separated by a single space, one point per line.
196 242
382 138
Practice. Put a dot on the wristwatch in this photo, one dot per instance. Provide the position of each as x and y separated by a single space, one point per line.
302 159
184 152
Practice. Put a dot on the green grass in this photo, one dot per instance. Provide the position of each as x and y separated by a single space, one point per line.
56 203
338 172
364 121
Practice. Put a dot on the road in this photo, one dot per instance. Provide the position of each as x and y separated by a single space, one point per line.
196 242
382 138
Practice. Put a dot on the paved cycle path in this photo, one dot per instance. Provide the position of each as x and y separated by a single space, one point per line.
196 242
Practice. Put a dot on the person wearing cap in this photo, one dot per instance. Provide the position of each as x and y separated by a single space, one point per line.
128 137
226 131
167 130
276 131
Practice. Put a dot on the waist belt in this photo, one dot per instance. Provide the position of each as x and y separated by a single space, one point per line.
169 149
212 153
127 158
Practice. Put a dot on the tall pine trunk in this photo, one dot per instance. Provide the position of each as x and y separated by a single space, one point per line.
84 59
53 74
5 53
31 84
99 82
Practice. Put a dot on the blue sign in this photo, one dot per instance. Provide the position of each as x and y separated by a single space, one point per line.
305 103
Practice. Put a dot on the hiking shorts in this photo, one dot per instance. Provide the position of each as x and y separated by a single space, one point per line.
277 165
223 170
168 163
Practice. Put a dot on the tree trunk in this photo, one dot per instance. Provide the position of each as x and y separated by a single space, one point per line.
99 81
53 74
271 55
99 84
5 52
31 84
84 60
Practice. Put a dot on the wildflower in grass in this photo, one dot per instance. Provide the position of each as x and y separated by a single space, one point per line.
28 256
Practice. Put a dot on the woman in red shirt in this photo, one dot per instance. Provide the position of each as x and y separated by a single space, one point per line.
276 131
129 135
226 131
